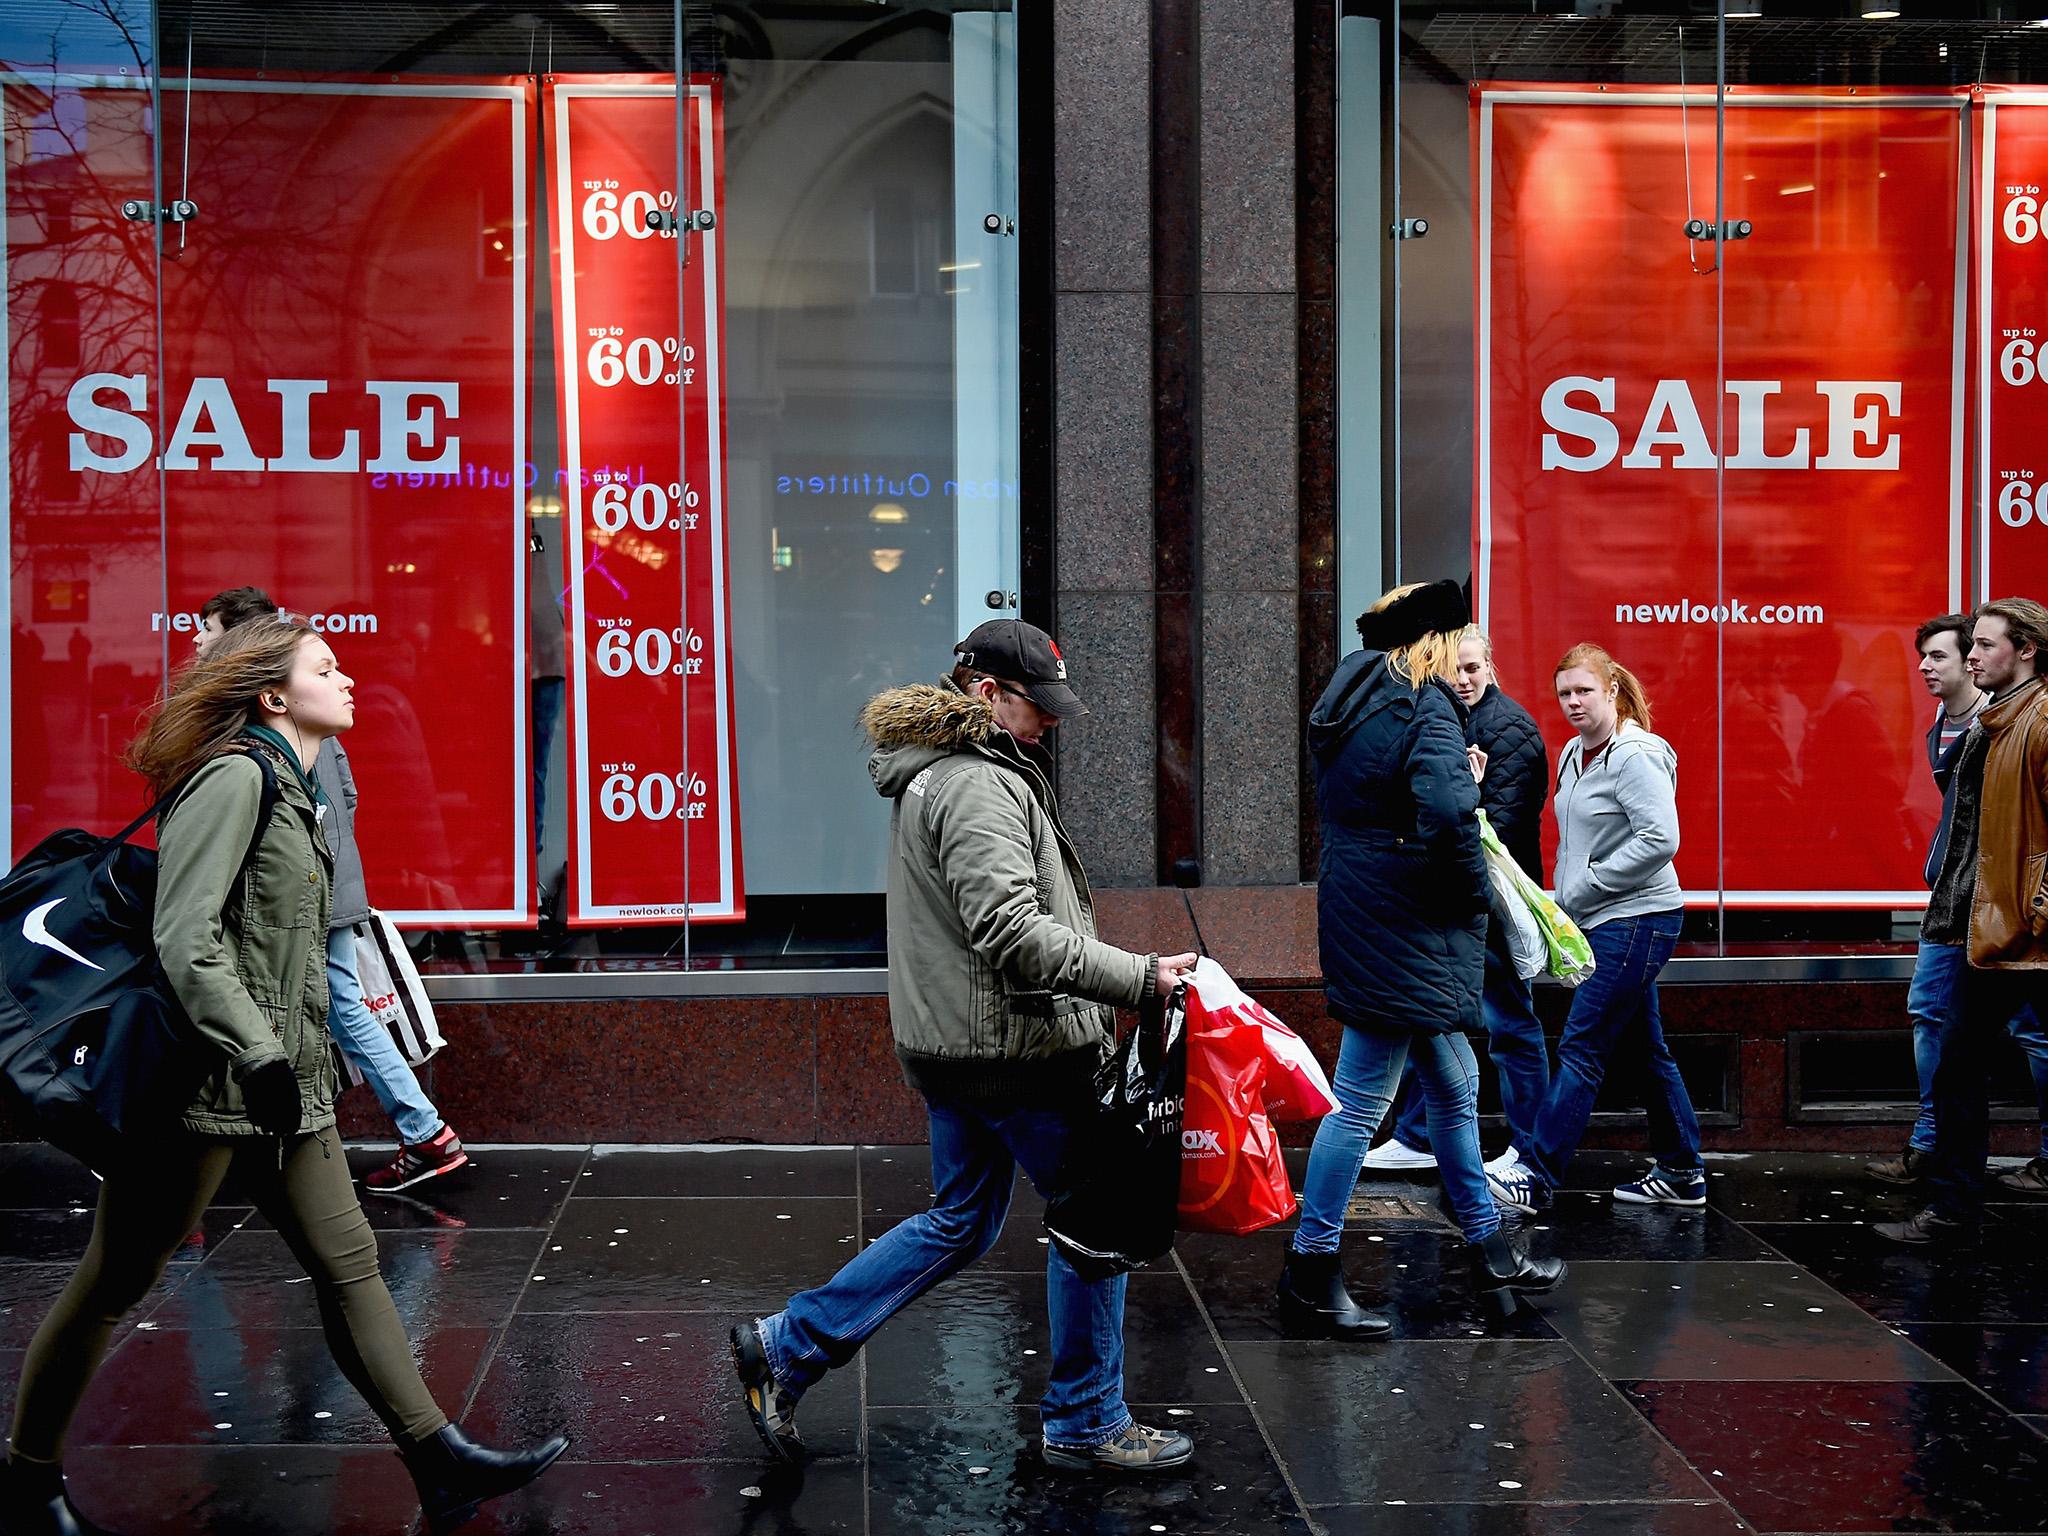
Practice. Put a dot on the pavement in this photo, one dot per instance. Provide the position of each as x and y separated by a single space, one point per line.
1766 1364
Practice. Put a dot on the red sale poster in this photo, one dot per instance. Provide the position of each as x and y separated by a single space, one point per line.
1746 484
268 403
2012 342
654 819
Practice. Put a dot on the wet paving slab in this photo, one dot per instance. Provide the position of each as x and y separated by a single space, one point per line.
253 1386
2008 1362
1523 1419
1856 1456
1728 1322
1996 1279
1687 1518
975 1470
1764 1364
643 1386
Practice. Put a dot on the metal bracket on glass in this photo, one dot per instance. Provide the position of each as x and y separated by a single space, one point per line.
1703 229
666 221
996 224
999 599
1409 229
142 211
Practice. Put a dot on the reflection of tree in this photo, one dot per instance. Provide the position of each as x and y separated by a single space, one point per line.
82 288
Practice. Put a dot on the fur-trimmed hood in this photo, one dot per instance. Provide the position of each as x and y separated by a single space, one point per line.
918 725
939 716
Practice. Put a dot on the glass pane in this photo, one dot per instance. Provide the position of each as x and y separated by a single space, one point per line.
345 369
373 396
89 629
1554 424
1844 341
870 404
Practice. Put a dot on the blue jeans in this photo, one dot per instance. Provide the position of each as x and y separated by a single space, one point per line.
976 1150
1988 1001
1614 1012
1521 1063
1931 1003
369 1045
1934 1002
2025 1028
1368 1070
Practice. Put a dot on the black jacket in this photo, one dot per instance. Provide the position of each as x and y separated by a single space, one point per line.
1944 766
1401 893
1517 783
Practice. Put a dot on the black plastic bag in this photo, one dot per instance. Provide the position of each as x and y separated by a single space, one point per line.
1120 1178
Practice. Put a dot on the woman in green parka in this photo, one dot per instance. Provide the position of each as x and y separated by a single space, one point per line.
245 952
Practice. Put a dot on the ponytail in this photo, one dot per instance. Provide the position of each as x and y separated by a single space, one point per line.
1630 702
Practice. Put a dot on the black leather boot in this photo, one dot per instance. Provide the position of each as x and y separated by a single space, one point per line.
33 1503
1314 1303
1503 1274
454 1476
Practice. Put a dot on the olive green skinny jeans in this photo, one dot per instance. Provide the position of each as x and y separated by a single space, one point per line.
148 1209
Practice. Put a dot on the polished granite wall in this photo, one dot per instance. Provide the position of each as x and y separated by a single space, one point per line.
1176 420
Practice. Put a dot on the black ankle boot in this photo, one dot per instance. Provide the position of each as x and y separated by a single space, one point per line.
1313 1300
454 1476
33 1502
1502 1274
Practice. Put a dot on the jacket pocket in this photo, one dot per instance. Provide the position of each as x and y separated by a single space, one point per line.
2034 892
1574 884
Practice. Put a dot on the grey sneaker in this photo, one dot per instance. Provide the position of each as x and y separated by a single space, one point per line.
1137 1449
769 1405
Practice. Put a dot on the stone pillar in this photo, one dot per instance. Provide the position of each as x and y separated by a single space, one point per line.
1250 723
1102 364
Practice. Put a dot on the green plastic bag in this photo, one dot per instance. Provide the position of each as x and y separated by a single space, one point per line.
1570 956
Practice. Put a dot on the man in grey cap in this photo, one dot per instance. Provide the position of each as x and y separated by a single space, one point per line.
1002 1002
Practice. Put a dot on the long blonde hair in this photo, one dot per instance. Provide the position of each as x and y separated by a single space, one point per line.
1435 654
212 699
1630 702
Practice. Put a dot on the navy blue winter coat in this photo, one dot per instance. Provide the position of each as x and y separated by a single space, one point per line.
1401 894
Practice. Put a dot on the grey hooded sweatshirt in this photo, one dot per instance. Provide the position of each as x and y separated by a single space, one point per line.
338 784
1617 829
998 988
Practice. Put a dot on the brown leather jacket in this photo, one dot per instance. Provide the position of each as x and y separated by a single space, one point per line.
2009 912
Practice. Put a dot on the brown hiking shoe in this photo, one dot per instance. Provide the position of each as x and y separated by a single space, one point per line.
1137 1449
1909 1167
2030 1180
415 1165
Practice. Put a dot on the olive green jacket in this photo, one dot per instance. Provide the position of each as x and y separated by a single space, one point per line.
998 987
247 957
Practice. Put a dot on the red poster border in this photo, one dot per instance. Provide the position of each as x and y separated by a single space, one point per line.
518 92
1987 99
731 905
1485 95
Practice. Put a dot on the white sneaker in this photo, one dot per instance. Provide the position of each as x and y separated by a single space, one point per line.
1395 1156
1505 1161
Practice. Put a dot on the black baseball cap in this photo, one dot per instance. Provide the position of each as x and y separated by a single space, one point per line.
1023 654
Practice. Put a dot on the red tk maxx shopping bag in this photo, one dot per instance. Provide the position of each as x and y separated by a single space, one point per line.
1245 1068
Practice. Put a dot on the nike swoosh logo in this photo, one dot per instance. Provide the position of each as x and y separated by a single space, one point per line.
34 930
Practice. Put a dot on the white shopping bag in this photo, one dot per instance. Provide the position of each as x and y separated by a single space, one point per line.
392 989
1525 940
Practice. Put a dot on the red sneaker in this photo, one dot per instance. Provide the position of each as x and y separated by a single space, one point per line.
415 1165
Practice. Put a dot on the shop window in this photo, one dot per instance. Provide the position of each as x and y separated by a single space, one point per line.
609 461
